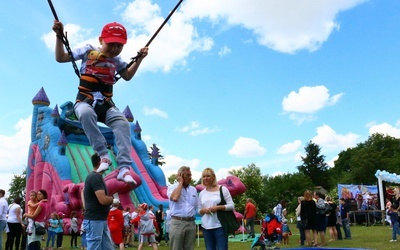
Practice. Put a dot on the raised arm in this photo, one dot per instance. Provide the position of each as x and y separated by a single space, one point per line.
61 55
131 71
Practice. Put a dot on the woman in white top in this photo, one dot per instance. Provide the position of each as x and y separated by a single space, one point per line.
214 234
15 224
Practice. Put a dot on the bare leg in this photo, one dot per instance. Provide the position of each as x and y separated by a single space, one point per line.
315 237
322 235
308 236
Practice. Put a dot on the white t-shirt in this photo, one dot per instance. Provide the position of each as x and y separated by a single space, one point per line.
3 208
12 213
208 199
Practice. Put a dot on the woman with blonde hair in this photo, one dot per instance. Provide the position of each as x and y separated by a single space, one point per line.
215 236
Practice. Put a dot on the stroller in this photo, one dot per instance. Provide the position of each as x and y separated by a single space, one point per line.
270 229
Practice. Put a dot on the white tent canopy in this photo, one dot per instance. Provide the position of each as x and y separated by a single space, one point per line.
388 177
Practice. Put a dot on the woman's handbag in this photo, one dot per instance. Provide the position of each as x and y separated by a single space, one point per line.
39 229
303 224
227 218
328 208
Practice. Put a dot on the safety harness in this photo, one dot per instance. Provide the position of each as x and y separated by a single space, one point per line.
95 93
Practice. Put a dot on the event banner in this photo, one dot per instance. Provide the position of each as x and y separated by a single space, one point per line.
357 192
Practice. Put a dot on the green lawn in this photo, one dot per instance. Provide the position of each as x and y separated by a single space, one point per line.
373 237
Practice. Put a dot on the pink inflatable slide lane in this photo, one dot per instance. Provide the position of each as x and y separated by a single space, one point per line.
64 196
149 190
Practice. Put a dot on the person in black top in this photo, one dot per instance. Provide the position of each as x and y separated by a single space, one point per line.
331 225
96 203
345 215
160 220
308 215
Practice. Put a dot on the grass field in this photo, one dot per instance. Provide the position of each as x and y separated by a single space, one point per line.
373 237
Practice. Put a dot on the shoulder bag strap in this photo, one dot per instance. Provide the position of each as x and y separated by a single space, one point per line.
9 207
223 202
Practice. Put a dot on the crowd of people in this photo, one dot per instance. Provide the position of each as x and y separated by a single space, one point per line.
317 214
105 224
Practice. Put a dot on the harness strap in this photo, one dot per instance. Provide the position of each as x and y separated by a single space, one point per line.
87 86
89 83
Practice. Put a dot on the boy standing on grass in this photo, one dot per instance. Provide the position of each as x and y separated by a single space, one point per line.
394 219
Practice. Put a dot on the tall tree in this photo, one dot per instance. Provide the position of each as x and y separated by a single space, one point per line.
285 187
314 165
359 164
17 187
252 178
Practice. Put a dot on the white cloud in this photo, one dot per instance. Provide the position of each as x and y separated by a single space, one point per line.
147 138
289 147
303 104
14 152
331 163
222 173
301 118
155 112
172 46
297 157
204 131
191 126
246 147
277 173
224 51
309 100
285 25
77 36
173 163
386 129
194 129
329 140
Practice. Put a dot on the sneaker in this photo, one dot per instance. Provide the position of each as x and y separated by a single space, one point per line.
393 241
124 176
104 165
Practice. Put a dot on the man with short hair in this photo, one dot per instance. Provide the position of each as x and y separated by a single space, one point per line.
250 213
3 214
96 203
183 203
345 215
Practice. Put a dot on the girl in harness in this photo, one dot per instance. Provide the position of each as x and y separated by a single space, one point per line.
93 103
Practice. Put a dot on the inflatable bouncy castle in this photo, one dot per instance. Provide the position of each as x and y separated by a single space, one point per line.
60 159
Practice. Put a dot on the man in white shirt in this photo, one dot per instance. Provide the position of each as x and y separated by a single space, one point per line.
3 214
183 206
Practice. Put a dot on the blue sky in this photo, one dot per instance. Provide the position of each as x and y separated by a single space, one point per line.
226 83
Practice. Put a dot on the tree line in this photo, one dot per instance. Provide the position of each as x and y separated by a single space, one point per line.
356 165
